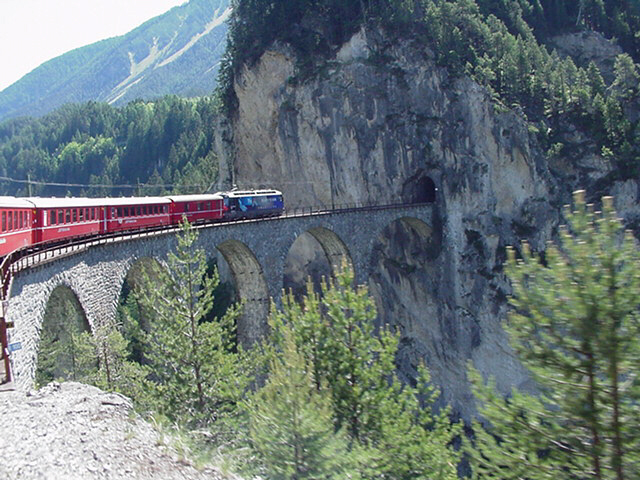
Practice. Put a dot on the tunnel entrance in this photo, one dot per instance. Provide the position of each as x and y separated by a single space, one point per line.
64 336
421 189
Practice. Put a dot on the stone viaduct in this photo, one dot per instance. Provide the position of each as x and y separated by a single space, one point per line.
255 251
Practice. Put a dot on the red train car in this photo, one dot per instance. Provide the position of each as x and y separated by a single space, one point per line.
197 208
16 219
130 213
61 218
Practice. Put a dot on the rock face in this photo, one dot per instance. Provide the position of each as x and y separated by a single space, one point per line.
382 123
589 46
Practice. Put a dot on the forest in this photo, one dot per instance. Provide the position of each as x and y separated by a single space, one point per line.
143 148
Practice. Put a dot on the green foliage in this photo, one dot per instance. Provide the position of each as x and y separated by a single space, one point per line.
62 353
575 325
391 433
197 372
291 422
114 371
165 142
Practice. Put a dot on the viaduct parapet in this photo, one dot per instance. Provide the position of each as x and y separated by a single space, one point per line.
256 252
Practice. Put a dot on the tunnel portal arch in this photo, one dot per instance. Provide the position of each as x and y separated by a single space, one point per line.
420 189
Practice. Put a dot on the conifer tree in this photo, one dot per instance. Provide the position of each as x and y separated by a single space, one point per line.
400 437
195 363
575 326
291 422
104 357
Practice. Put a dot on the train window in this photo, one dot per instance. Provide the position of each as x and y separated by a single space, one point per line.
74 215
67 216
60 216
120 211
23 219
126 211
138 211
93 214
52 214
4 221
10 226
81 215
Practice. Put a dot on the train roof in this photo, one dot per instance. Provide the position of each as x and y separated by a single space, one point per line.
14 202
195 198
71 202
64 202
244 193
117 201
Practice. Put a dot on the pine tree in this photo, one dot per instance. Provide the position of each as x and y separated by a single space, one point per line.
291 422
626 72
575 326
106 356
400 437
197 370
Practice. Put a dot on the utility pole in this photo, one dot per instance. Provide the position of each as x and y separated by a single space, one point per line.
28 184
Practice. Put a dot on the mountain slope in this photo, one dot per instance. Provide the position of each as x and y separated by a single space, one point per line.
177 52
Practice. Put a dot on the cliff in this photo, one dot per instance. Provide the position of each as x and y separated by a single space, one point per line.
381 122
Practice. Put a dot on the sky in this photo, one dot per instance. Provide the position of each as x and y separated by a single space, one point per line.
34 31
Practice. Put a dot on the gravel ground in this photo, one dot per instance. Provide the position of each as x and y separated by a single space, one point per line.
75 431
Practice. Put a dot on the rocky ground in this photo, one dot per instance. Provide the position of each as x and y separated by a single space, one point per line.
75 431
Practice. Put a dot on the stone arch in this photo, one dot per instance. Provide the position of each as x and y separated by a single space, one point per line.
136 322
252 290
404 282
318 252
63 319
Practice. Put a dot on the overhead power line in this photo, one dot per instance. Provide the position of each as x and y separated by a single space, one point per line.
95 185
145 185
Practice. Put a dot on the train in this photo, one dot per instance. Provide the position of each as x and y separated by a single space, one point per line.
37 221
